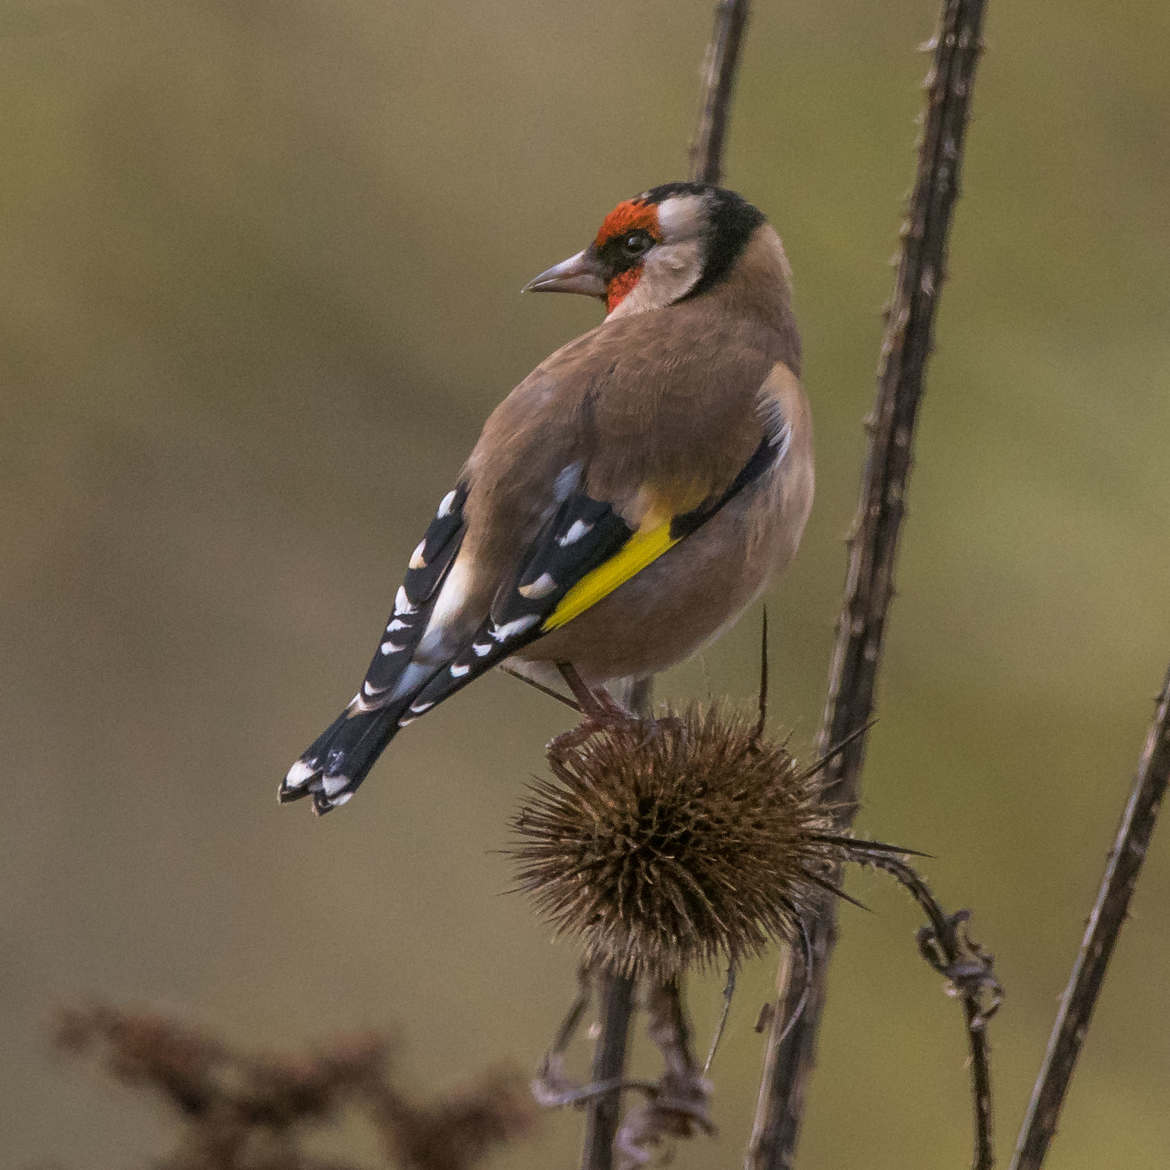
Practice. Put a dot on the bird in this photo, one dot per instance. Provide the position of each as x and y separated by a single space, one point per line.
625 503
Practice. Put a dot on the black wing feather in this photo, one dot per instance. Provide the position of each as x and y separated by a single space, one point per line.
429 565
582 534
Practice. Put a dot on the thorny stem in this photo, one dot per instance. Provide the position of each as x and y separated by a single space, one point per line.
719 68
1104 925
874 539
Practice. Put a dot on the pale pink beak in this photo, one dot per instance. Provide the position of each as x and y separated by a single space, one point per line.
579 274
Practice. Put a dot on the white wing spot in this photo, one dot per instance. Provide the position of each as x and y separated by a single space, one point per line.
389 647
515 628
419 708
459 669
576 530
481 648
397 625
445 505
338 801
402 602
416 557
541 587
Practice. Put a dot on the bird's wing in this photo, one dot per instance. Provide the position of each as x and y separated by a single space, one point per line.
581 555
429 566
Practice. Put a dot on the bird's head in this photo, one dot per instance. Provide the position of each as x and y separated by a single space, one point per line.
660 247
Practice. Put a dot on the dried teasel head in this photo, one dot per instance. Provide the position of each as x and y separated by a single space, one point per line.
681 842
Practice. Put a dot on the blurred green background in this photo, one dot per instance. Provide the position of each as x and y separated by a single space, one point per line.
260 268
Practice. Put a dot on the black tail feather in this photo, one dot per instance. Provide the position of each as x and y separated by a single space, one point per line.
341 757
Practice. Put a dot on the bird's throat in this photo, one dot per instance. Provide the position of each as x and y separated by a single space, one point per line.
620 287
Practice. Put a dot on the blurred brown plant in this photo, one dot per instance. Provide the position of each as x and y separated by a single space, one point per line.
247 1111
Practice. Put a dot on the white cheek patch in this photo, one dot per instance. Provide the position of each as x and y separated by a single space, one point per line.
669 273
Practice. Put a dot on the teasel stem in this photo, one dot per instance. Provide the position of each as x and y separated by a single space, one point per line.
616 994
609 1062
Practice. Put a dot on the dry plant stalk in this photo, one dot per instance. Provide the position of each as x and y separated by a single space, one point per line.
1104 925
719 68
874 541
243 1111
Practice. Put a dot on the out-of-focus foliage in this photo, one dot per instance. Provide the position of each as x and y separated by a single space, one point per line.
256 1111
260 265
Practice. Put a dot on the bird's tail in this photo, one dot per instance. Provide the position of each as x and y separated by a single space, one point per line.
340 758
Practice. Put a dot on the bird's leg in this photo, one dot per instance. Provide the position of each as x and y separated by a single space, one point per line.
541 687
597 705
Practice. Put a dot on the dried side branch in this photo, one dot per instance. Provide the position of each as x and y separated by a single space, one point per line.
874 540
719 68
947 947
1104 925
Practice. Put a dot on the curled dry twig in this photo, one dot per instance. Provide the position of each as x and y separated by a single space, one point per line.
678 1105
947 947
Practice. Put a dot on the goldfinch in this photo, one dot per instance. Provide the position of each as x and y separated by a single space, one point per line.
626 501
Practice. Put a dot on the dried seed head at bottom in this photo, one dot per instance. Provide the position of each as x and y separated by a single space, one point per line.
681 842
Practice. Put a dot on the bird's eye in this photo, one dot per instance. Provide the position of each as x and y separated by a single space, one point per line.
636 243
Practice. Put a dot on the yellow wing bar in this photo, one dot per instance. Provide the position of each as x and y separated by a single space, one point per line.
630 559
